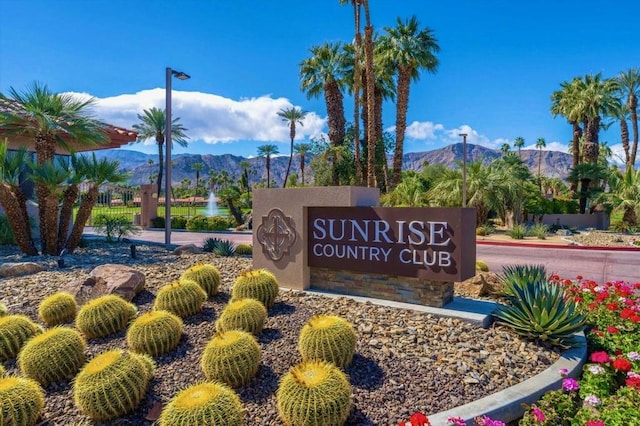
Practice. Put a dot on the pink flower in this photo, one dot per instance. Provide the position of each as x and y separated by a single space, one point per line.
600 357
595 423
570 385
538 414
563 372
456 421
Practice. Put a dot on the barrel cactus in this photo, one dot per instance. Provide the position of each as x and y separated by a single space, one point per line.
328 338
258 284
231 357
57 309
244 249
203 404
183 298
15 330
206 275
243 314
155 333
314 393
3 372
21 401
112 384
52 356
4 311
104 316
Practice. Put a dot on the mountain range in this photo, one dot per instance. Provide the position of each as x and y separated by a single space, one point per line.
141 166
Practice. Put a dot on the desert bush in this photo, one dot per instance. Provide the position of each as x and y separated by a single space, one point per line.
114 227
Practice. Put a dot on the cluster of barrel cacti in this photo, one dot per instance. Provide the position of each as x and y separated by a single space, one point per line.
206 275
57 309
258 284
155 333
208 403
328 338
21 401
244 249
243 314
182 298
4 311
104 316
15 330
231 357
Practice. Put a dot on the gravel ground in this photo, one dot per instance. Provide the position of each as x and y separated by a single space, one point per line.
604 239
406 361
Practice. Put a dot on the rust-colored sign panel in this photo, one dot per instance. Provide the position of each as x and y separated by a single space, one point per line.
429 243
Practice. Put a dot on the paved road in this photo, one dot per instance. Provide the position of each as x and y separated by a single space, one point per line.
598 265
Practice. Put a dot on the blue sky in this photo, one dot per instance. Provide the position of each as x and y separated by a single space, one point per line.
500 61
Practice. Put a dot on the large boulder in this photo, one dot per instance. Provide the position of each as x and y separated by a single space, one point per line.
17 269
481 285
187 249
121 280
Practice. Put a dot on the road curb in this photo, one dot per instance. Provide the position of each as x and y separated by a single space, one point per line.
554 246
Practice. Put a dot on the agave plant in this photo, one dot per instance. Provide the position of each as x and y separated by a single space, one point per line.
520 275
210 244
224 248
539 310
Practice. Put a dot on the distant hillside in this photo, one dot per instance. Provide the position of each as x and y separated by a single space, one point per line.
554 164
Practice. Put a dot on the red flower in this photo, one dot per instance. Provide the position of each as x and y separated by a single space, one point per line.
611 329
626 313
622 364
577 299
593 306
633 382
555 277
419 419
600 357
613 306
635 318
594 423
579 277
601 297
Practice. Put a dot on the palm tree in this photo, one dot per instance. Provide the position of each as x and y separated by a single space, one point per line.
505 148
540 143
244 177
369 73
628 84
267 151
152 126
13 200
97 173
586 174
51 120
519 143
302 149
292 116
625 194
410 49
76 175
197 167
620 111
598 99
324 73
231 196
565 102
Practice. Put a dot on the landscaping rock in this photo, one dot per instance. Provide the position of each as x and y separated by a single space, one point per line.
122 280
480 285
187 249
19 269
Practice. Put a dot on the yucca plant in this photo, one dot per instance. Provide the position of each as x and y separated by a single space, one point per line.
224 248
518 232
539 310
521 275
210 244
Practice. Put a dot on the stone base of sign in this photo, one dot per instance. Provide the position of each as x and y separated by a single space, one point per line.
382 286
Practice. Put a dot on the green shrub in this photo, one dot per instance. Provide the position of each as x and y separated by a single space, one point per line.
206 275
539 310
52 356
57 309
224 248
155 333
157 222
15 330
328 338
6 236
539 231
243 249
219 223
104 316
198 223
203 404
177 222
485 229
231 357
314 393
258 284
518 232
112 384
243 314
114 226
482 266
21 401
520 275
182 298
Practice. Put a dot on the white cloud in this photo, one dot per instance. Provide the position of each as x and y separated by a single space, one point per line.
422 130
211 118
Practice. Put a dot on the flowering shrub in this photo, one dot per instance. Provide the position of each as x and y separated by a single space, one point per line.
608 392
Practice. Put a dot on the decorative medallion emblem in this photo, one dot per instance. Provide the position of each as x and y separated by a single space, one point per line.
276 234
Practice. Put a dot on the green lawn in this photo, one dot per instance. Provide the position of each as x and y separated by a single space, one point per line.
175 211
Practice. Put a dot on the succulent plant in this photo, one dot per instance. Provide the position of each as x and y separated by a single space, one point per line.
539 310
328 338
242 314
210 244
112 384
57 309
3 372
52 356
244 249
21 401
15 330
314 393
224 248
258 284
206 275
155 333
231 357
4 311
521 275
482 266
104 316
183 298
203 404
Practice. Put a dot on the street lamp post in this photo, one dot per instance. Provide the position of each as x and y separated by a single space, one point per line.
167 142
464 169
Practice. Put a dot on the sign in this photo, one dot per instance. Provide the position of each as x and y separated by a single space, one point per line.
429 243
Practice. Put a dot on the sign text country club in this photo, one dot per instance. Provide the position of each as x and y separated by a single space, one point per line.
428 243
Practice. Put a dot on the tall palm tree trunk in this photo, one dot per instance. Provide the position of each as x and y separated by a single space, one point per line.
45 152
160 171
540 169
268 165
382 175
591 146
69 197
51 217
84 212
370 81
14 204
302 167
292 135
633 107
404 79
624 138
356 93
575 148
335 120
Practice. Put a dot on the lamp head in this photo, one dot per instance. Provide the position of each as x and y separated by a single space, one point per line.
180 75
